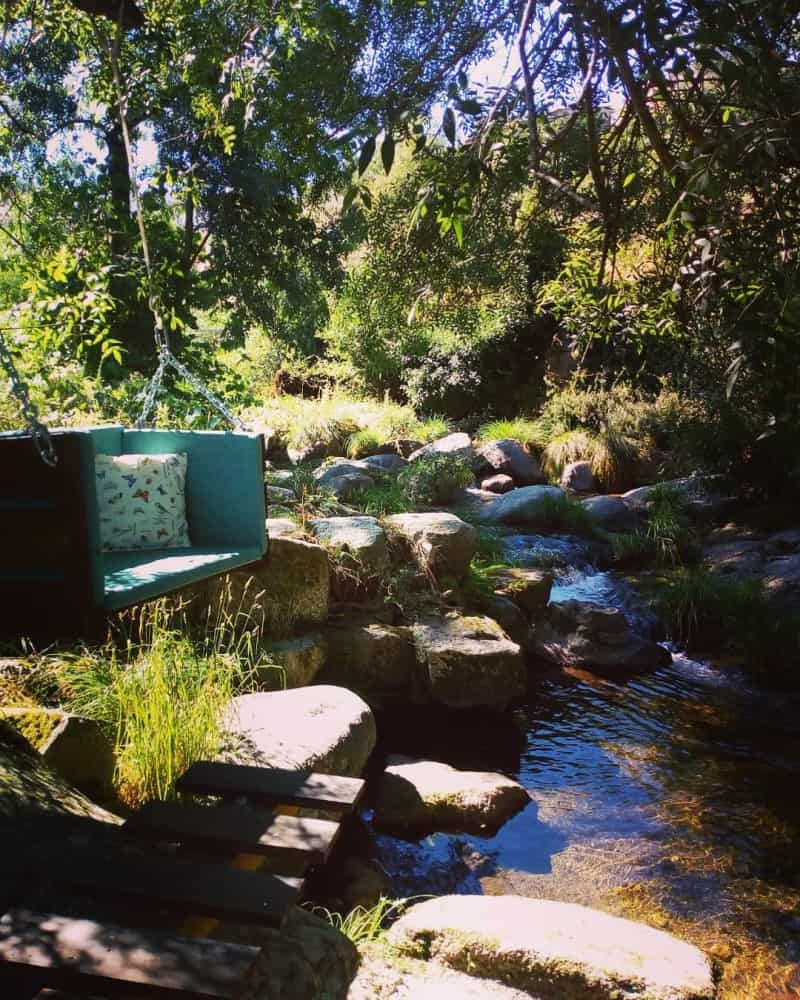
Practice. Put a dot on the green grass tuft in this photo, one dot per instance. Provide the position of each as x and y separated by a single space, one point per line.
527 432
363 925
710 612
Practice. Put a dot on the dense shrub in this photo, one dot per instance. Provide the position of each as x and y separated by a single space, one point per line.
429 482
715 613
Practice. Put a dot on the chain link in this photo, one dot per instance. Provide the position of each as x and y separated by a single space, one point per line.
166 359
36 429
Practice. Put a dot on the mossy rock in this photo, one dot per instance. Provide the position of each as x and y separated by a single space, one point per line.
12 693
35 724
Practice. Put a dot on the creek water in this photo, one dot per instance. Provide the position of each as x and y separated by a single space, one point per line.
671 796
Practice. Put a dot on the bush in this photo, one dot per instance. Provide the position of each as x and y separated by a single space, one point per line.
615 458
561 514
713 613
667 538
429 482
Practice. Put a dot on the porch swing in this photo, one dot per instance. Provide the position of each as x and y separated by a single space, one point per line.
57 577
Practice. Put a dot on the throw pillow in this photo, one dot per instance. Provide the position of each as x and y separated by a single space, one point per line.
142 501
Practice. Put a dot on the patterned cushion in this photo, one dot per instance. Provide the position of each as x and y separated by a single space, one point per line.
142 501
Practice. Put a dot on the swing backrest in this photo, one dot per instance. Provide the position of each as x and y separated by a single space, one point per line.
224 479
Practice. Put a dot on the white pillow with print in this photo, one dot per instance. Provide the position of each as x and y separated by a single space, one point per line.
142 501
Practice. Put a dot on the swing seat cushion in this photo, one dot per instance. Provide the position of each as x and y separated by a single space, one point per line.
131 577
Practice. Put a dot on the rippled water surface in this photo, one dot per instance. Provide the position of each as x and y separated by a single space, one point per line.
672 796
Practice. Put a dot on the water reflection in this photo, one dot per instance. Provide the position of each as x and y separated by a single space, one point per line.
673 796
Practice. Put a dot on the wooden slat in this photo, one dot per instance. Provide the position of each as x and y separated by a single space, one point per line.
177 885
34 536
270 785
236 830
68 603
97 957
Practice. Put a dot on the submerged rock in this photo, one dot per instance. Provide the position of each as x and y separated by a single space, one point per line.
417 797
554 950
469 661
441 543
320 728
526 505
510 458
590 636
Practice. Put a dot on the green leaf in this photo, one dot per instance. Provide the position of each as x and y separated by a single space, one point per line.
387 152
458 229
349 198
449 125
629 179
366 154
469 106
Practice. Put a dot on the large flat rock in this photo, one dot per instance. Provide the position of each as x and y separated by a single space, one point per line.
469 661
377 979
418 797
527 505
441 543
288 588
555 951
361 537
321 728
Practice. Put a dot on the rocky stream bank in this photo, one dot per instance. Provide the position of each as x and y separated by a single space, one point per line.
382 639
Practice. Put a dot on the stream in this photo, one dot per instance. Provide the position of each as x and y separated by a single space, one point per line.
672 797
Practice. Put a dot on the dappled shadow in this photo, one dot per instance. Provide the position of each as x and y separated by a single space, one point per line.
76 953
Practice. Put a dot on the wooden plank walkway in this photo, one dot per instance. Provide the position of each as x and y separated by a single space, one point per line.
88 957
169 882
271 786
236 830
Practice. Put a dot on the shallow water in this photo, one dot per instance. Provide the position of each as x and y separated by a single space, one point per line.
673 796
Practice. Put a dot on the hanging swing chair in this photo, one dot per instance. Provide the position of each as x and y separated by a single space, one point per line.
57 579
59 576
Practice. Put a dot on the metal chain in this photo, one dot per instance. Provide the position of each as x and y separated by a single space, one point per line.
150 393
168 360
36 429
165 356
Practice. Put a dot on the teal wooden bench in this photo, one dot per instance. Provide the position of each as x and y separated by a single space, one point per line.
55 579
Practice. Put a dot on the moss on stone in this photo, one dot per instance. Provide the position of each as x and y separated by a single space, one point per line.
35 724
